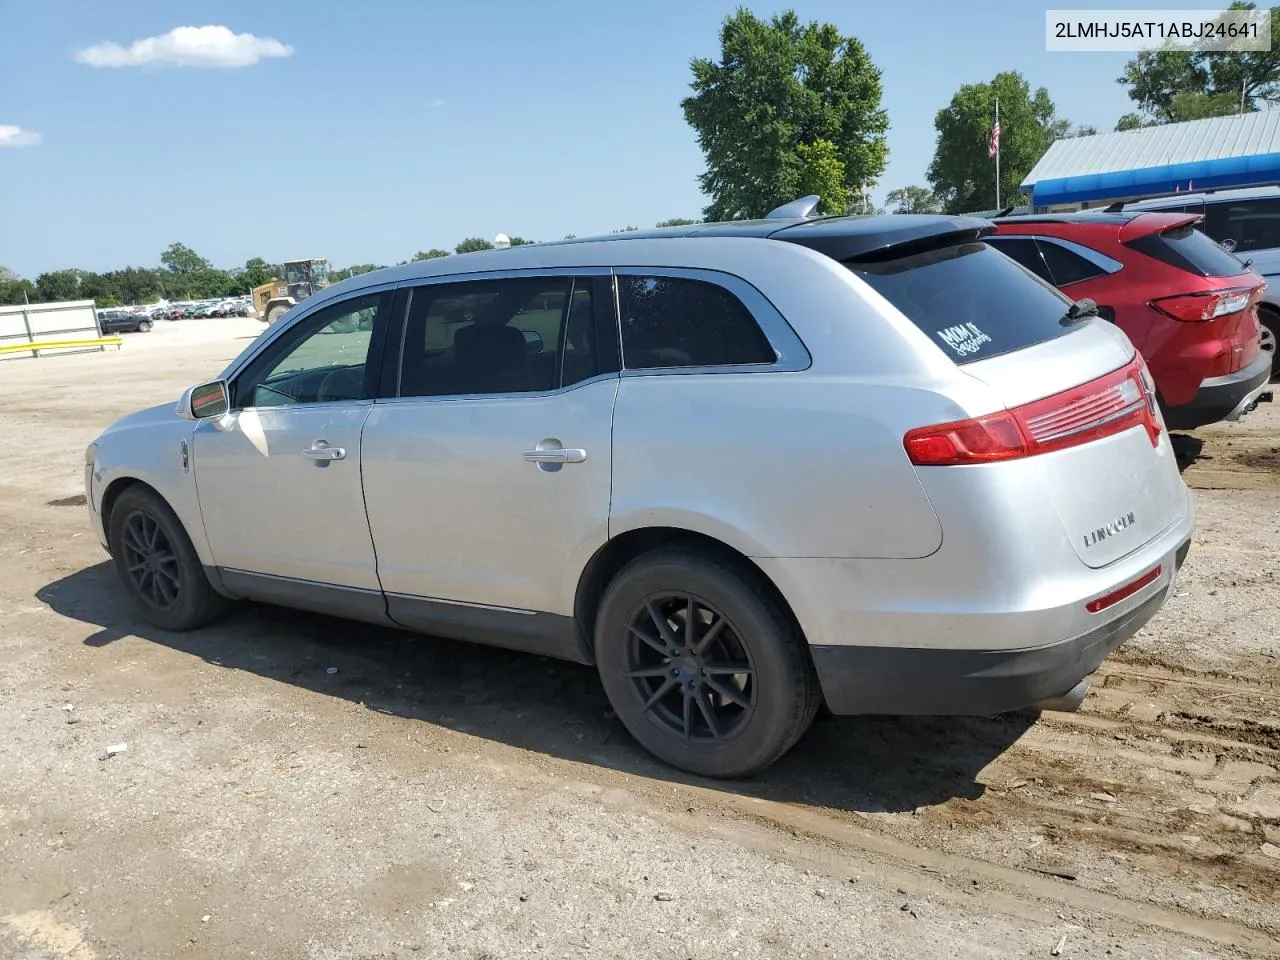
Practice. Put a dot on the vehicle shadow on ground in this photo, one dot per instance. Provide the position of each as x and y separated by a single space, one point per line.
1186 448
862 764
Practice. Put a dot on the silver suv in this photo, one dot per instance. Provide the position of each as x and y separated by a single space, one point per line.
1245 222
743 468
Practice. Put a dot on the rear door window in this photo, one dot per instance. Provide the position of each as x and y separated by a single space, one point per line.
972 302
1067 266
1025 251
1188 249
679 322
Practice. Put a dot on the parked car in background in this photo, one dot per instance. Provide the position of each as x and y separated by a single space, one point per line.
123 321
1188 305
741 468
1245 222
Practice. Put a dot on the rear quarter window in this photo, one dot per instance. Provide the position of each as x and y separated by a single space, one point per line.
972 301
1188 249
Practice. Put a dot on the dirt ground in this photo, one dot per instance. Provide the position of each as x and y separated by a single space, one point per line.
434 799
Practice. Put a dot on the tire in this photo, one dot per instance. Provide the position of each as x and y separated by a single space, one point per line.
1270 336
136 515
771 707
144 326
276 312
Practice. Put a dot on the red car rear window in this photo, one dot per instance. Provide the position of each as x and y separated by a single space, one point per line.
1187 248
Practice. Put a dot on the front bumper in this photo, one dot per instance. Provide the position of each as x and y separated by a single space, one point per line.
1222 398
954 682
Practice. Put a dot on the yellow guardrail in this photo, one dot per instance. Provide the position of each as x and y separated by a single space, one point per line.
34 347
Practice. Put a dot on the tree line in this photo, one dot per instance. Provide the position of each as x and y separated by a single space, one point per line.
185 275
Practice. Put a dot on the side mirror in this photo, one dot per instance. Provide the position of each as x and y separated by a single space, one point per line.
206 401
533 340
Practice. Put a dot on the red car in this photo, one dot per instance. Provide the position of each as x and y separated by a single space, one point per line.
1189 306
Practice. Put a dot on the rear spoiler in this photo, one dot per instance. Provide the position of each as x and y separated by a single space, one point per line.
1147 223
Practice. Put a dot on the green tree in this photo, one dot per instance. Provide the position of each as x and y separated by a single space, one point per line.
1130 121
571 236
914 200
59 285
962 174
676 222
13 288
625 230
256 272
521 241
435 253
353 271
780 85
1084 130
472 244
1172 85
818 170
181 259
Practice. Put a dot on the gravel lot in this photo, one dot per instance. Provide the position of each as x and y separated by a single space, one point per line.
433 799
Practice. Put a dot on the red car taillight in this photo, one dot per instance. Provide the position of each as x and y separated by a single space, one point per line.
1198 307
1101 408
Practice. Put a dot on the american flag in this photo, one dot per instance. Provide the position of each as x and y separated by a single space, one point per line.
993 146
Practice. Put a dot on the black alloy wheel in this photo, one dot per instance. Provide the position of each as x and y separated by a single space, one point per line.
690 672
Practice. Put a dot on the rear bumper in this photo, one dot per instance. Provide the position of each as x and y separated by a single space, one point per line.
1222 398
975 682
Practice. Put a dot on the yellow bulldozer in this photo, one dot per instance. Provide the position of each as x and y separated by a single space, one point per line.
301 279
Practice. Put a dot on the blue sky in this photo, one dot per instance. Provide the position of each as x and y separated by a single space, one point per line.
397 125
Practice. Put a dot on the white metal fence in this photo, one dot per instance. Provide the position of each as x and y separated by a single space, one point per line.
47 323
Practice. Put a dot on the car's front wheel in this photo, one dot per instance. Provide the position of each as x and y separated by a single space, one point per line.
157 564
702 664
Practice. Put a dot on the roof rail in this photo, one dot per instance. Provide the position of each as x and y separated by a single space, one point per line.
802 208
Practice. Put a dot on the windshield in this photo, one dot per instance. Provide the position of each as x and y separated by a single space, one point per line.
296 273
972 300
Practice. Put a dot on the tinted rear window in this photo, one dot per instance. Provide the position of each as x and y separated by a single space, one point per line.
1188 249
971 300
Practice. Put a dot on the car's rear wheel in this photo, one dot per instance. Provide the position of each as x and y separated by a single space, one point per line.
144 326
157 564
702 664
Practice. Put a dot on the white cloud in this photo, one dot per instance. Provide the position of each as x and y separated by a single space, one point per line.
437 103
11 136
210 46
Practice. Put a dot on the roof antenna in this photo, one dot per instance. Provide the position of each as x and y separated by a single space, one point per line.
802 208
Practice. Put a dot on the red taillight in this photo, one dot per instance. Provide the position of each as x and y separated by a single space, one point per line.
1101 408
1198 307
1125 592
983 440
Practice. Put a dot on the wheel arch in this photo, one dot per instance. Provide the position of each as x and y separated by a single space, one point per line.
620 550
111 495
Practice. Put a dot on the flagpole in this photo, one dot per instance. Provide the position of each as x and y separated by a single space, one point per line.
997 154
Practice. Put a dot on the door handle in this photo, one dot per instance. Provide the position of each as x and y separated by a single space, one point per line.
556 455
320 450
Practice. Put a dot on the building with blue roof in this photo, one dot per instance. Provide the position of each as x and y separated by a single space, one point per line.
1211 154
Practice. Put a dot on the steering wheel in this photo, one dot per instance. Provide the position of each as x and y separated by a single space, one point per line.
341 384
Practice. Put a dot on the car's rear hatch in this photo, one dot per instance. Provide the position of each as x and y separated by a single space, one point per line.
1078 401
1218 293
